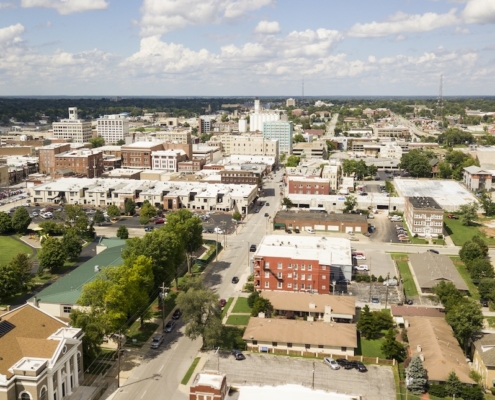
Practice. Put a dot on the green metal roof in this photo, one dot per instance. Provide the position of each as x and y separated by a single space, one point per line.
67 289
111 242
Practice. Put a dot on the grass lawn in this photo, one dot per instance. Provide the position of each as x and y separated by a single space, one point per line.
238 320
439 241
227 306
141 335
461 268
190 371
241 306
10 247
372 348
405 273
461 234
491 321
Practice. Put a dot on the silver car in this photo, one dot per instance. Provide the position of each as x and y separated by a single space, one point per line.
157 341
331 363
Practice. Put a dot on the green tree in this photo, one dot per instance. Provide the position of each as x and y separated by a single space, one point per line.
94 327
113 211
486 289
468 213
480 268
189 227
76 218
52 228
21 220
481 243
417 379
391 348
383 320
72 244
10 283
262 305
237 216
453 385
349 166
444 170
52 255
201 313
129 207
298 138
98 217
465 318
487 204
472 392
349 203
448 294
361 170
282 157
287 203
292 161
252 298
5 223
23 265
123 232
417 163
470 251
120 142
146 213
97 142
366 324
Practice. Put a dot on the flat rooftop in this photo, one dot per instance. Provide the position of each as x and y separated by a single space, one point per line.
424 203
288 392
328 251
449 195
307 215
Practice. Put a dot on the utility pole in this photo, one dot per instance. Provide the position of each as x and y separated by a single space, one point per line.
118 357
371 283
216 252
163 295
313 383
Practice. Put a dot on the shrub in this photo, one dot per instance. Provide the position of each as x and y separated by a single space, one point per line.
380 279
437 390
373 278
249 287
357 278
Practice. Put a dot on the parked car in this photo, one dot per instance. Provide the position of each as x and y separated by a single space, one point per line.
354 239
331 363
434 251
360 366
257 210
252 247
359 257
169 326
409 302
177 313
157 341
297 231
267 215
346 364
484 303
452 216
34 214
222 302
288 231
159 221
375 300
310 230
148 228
267 204
362 267
235 279
390 282
239 356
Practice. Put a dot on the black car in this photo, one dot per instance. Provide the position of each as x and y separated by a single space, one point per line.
297 230
484 303
409 302
239 356
360 367
433 251
252 247
235 279
288 231
169 327
342 362
176 315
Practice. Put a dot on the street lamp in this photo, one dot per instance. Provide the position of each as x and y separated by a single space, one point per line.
333 287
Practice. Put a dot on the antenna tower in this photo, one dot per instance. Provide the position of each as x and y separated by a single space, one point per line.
440 100
303 90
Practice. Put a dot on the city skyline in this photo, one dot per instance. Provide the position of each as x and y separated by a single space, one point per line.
246 47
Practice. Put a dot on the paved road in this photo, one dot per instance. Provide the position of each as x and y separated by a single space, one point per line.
160 373
331 125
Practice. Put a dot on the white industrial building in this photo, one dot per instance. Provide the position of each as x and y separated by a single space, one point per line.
72 129
113 128
259 117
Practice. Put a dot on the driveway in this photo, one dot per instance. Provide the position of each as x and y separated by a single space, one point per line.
261 369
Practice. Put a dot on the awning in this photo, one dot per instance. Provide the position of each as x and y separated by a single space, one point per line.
279 225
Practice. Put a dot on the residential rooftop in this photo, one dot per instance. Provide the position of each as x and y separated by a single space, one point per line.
303 215
426 203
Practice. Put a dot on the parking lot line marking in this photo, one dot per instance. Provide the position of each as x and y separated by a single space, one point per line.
144 393
160 370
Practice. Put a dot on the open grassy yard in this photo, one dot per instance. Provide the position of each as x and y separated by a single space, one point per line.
238 320
372 348
241 306
461 268
10 247
141 336
460 233
405 273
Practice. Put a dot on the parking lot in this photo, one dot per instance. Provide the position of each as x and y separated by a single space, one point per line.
379 264
218 220
376 291
261 369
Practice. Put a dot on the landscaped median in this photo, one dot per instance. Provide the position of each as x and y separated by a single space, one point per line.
401 260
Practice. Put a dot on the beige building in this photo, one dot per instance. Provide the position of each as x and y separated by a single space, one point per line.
333 173
73 129
176 136
40 356
167 160
298 337
4 175
113 128
423 216
317 149
484 360
248 145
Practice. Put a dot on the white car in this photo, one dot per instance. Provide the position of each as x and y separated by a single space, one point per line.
359 257
310 230
390 282
331 363
362 267
34 214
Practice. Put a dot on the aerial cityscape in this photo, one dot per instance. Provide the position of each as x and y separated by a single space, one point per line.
247 199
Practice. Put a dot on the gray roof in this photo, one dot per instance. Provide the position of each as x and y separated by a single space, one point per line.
486 349
306 215
430 269
473 169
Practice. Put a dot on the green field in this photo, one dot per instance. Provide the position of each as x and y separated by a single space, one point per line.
242 306
461 268
10 247
238 320
461 234
372 348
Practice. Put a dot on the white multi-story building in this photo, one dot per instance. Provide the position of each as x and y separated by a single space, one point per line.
390 150
167 160
282 131
72 129
254 145
259 117
113 128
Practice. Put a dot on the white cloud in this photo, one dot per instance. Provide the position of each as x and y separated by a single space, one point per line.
11 34
67 6
461 31
400 38
162 16
401 22
6 5
479 12
267 27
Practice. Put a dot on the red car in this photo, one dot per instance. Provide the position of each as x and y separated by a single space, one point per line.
223 302
452 216
159 221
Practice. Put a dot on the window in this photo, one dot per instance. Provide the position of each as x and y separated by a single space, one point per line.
295 266
289 265
267 284
25 396
289 285
289 276
323 287
309 286
307 346
279 285
323 267
267 264
310 267
67 309
295 286
320 346
279 275
343 348
303 267
274 344
255 342
310 277
289 344
267 275
279 266
43 394
302 286
323 277
303 277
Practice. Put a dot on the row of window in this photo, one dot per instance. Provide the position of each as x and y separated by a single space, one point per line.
433 223
432 216
295 266
295 275
295 286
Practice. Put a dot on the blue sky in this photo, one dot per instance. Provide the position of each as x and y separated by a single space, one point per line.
247 47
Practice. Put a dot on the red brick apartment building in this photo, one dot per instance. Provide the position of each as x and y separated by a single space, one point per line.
47 157
302 263
138 155
308 185
86 163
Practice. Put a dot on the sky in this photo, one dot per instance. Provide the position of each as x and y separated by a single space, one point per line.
247 47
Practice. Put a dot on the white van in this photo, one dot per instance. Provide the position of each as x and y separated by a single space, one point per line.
310 230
